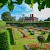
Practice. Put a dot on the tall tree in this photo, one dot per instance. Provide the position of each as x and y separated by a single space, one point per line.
48 19
41 3
6 16
21 19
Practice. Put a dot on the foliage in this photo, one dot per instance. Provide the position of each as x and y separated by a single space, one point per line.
21 19
39 24
43 32
11 36
4 40
41 3
41 38
34 48
48 19
6 16
11 6
48 38
31 33
2 23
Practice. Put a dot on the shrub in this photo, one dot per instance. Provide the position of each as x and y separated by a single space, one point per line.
34 48
11 36
4 40
48 39
43 32
31 33
41 38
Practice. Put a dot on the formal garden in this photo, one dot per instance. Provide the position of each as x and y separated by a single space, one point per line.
23 37
28 33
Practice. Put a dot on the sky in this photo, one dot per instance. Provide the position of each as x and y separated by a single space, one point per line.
19 10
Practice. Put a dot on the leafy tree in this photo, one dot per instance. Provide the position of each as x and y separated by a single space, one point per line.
48 19
41 39
13 18
41 3
21 19
6 16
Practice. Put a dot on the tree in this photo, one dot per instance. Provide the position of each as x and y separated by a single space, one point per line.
6 16
21 19
48 19
41 3
41 39
13 18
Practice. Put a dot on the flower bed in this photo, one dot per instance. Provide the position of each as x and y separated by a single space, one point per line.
24 36
35 29
46 46
33 46
45 28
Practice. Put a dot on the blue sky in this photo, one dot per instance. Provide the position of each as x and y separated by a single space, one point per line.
19 10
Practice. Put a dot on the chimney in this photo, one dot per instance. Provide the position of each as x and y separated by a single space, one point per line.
30 15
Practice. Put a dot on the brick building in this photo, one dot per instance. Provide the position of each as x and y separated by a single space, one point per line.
31 18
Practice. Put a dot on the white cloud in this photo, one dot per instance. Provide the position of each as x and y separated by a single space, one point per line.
43 14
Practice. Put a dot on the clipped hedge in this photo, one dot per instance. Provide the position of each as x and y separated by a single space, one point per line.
34 24
48 38
11 36
4 40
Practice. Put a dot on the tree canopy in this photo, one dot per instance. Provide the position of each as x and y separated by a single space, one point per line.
6 16
48 19
41 3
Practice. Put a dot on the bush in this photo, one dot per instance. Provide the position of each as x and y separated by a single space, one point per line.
31 33
34 48
4 40
2 24
48 39
11 36
41 38
43 32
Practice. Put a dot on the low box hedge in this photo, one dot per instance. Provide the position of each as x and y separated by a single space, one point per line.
4 40
11 36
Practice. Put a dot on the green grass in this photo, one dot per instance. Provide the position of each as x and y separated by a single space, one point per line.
2 23
21 41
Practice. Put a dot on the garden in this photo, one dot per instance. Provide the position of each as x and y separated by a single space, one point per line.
23 38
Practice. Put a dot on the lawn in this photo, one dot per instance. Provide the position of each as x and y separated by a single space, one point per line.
19 42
